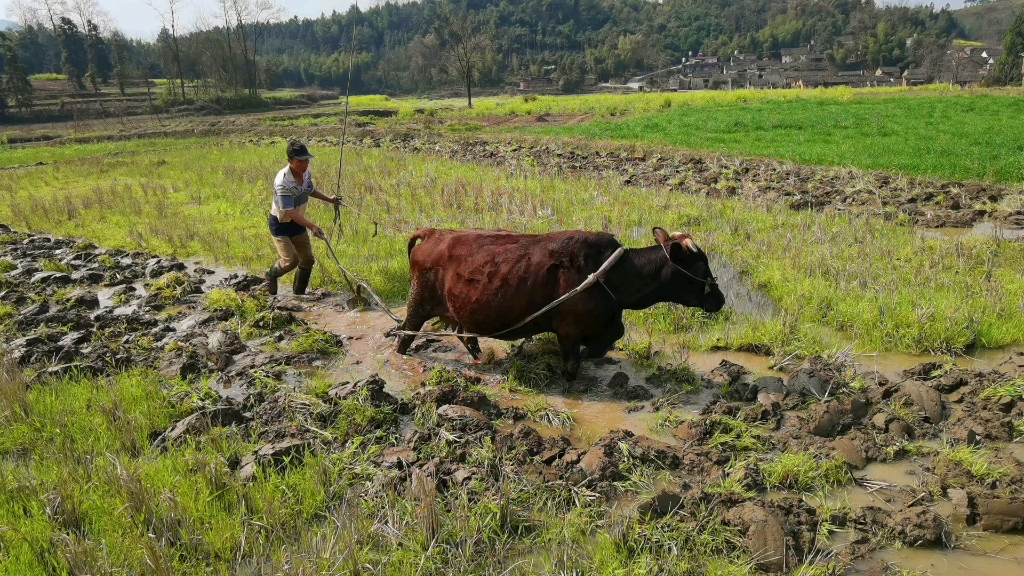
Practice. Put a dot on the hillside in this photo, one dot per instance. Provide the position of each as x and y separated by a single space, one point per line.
988 22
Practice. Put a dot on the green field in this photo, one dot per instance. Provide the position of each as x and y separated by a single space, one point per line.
951 136
834 278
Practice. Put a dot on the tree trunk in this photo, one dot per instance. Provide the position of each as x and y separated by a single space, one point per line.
469 87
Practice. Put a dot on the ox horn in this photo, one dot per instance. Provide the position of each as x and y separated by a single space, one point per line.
689 244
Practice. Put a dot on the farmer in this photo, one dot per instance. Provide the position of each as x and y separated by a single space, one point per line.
288 222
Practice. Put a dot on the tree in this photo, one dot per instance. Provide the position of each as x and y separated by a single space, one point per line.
98 53
463 45
169 16
86 11
251 18
16 87
73 54
121 62
1008 67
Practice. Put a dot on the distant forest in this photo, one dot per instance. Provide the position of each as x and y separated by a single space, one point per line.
400 48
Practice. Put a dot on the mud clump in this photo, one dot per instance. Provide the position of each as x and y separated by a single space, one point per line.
605 460
911 527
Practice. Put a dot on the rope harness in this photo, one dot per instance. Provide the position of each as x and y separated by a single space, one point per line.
708 282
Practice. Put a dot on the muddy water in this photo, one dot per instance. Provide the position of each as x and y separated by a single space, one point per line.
981 229
995 555
594 413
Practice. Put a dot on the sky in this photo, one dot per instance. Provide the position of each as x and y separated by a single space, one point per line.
135 18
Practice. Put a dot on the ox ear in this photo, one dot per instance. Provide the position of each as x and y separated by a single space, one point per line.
661 236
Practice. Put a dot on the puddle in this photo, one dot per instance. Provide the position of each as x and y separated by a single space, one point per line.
740 297
594 412
106 295
981 229
988 554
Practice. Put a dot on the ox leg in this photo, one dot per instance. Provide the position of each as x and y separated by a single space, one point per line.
599 345
471 344
412 323
570 347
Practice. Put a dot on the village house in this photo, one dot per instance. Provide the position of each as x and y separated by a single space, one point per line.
798 54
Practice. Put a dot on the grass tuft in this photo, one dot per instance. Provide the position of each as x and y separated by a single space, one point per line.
316 341
51 265
171 286
805 472
7 311
1013 389
533 365
733 435
7 266
974 460
540 410
441 375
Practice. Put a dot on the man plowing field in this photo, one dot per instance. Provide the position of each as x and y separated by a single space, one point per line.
293 188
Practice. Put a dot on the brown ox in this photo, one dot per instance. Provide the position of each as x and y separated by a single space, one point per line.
486 281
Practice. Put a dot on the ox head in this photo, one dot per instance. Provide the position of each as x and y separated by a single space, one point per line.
690 281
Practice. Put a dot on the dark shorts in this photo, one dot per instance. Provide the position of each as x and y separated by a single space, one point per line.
287 229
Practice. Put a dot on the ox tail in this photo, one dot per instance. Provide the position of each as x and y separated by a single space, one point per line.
421 234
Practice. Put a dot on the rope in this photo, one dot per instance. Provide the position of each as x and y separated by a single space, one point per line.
346 274
344 133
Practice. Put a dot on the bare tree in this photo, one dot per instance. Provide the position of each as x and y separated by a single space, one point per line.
225 14
954 64
85 11
53 9
26 12
251 20
463 46
169 12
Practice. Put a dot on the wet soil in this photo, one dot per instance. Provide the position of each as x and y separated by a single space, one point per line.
889 421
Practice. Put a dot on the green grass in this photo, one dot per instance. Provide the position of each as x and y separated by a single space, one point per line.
1014 389
834 278
606 104
540 410
34 154
317 342
933 134
84 493
47 76
974 460
805 472
734 435
171 286
51 265
533 366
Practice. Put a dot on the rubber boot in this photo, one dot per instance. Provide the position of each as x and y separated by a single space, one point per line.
300 281
271 276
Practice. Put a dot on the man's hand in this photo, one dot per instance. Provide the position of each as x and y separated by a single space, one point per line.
316 231
329 199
